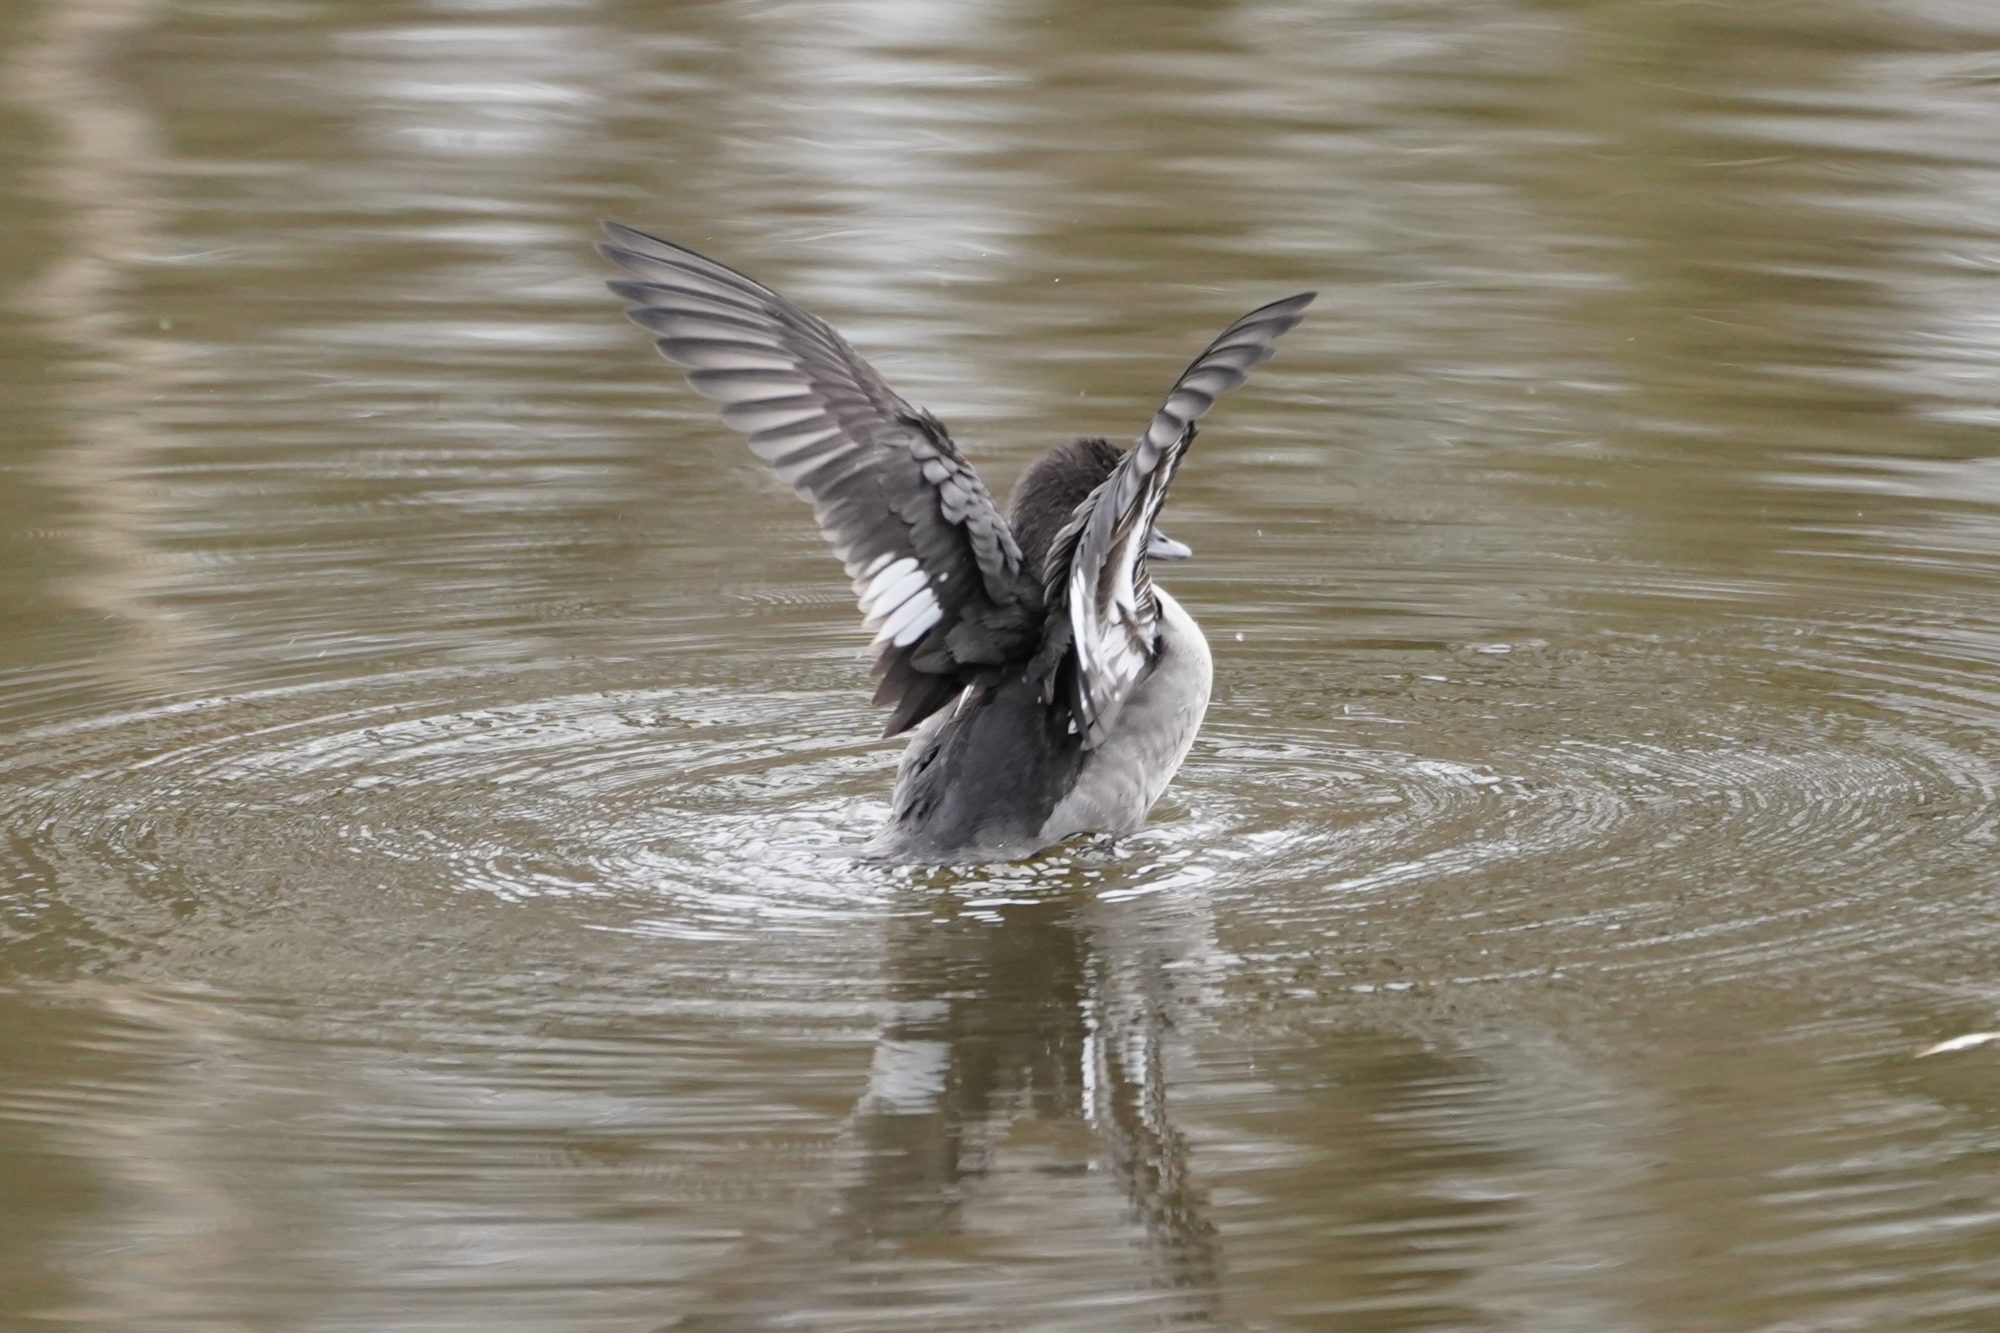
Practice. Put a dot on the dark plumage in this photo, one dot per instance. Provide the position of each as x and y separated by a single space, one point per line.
1078 685
1046 497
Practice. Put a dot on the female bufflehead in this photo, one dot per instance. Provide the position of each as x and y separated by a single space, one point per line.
1058 689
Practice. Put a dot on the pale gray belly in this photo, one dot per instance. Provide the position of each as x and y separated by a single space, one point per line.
1123 777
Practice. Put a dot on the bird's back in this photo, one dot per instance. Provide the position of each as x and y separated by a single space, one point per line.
1000 775
981 778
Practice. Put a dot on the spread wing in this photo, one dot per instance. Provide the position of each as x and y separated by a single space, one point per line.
934 564
1103 618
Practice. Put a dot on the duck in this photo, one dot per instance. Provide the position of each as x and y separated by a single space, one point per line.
1050 686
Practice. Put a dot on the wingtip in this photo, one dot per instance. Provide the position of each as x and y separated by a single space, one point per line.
1286 311
639 245
627 261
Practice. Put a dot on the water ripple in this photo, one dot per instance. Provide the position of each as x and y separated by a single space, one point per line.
1694 829
697 811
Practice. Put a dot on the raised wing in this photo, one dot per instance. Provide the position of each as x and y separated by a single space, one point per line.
1103 617
935 567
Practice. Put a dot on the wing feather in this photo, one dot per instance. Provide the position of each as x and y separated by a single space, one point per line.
936 571
1102 631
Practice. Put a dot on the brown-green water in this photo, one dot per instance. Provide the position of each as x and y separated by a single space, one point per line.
419 721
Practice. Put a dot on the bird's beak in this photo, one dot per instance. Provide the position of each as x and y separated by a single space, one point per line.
1163 547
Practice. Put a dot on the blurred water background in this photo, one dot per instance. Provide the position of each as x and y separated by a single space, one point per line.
421 724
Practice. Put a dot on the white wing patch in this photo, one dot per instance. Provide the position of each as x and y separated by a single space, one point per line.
911 621
892 587
897 600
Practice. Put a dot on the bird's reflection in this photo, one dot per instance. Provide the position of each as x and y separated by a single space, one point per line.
1048 1020
1016 1116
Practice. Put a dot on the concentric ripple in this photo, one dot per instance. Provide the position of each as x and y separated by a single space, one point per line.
1687 823
1705 828
692 809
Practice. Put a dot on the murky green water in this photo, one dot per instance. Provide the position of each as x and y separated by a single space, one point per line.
418 719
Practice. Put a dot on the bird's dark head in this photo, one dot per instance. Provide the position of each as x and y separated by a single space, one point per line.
1048 493
1046 497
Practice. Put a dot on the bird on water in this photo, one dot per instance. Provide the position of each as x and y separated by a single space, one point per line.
1053 686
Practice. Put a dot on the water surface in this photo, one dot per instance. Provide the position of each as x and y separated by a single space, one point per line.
423 731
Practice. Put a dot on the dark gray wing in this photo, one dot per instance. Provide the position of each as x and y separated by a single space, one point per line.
1103 617
934 564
